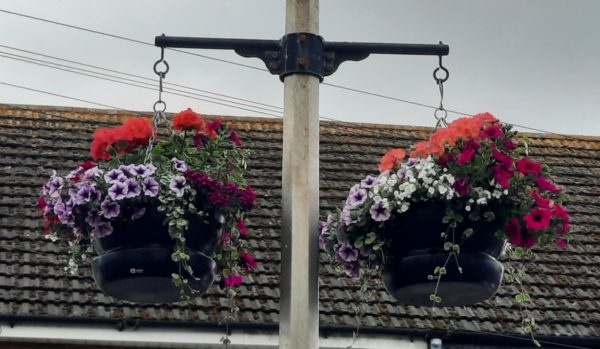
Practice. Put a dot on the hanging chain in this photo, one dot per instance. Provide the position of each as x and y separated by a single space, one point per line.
159 106
440 113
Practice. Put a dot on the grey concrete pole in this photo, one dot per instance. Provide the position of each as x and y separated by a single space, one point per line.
299 290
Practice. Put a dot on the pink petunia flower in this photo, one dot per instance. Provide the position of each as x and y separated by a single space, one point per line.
538 218
233 280
502 175
544 184
526 166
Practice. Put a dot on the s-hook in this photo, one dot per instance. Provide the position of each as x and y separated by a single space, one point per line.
440 75
159 106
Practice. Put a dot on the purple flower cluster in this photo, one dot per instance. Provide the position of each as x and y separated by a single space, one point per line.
78 201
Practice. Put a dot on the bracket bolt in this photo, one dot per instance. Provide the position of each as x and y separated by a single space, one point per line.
301 61
329 56
329 67
302 37
273 66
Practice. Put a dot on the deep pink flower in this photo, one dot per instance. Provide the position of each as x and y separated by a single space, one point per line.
469 152
233 280
242 227
562 213
502 175
235 139
42 203
492 132
526 166
562 243
246 198
505 160
538 218
248 261
446 158
461 186
544 184
516 235
509 144
87 165
540 201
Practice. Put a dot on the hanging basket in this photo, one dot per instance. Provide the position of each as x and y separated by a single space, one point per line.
134 262
416 249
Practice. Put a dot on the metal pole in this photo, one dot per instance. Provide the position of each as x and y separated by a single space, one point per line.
299 294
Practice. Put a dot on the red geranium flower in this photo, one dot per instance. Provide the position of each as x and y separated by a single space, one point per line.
526 166
134 132
187 120
391 159
212 127
538 218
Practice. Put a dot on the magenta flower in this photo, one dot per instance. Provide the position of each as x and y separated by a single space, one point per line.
538 218
461 186
540 201
233 280
516 235
492 132
502 175
545 184
469 152
242 228
526 166
504 160
379 213
235 139
248 261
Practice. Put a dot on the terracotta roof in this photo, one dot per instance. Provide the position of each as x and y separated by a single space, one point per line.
565 286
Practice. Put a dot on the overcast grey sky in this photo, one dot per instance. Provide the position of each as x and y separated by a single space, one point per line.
533 63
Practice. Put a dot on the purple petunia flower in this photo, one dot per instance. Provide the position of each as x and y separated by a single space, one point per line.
127 170
368 182
150 187
93 219
133 188
110 209
117 191
177 185
113 176
380 213
347 253
351 270
55 184
92 173
138 213
86 193
103 229
346 217
179 165
144 170
356 198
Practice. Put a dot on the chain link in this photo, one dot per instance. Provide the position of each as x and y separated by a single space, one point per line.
159 106
440 114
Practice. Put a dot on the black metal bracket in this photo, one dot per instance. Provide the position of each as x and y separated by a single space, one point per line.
302 53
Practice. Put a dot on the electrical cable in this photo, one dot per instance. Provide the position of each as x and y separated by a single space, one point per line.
260 69
147 86
138 76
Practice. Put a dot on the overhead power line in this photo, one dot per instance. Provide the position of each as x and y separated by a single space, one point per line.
260 69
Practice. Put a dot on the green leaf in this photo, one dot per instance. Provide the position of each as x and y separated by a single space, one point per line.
468 232
359 243
370 238
489 216
456 248
447 246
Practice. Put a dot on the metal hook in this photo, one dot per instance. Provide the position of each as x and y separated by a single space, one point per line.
443 69
161 60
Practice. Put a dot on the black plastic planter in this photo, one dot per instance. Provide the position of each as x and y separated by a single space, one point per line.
134 262
416 248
